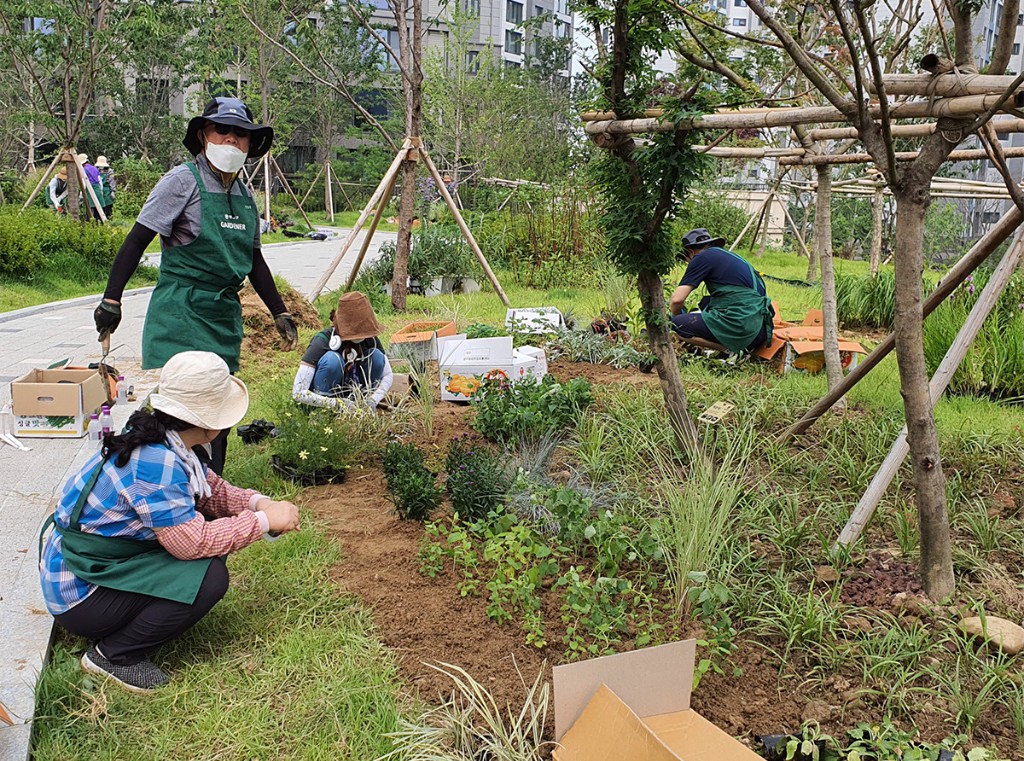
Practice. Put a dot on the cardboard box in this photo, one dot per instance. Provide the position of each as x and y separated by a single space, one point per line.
801 347
463 363
56 403
417 341
534 320
636 707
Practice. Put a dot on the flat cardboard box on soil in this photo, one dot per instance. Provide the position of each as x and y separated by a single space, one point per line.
636 707
56 403
463 364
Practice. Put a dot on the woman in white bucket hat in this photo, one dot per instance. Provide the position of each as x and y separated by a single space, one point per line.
140 533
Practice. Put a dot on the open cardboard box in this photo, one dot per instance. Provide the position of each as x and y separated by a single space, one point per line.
636 707
534 320
56 403
463 363
417 341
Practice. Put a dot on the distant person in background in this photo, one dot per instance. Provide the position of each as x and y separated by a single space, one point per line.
92 174
57 191
109 185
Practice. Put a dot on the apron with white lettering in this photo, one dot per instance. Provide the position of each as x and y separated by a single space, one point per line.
195 305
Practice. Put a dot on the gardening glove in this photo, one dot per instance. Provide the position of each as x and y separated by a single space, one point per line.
286 327
107 317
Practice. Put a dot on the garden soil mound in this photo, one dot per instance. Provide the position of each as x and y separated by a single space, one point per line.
260 332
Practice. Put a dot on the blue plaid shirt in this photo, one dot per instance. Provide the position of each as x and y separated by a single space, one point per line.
151 491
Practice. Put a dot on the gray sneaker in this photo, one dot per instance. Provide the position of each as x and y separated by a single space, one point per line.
138 677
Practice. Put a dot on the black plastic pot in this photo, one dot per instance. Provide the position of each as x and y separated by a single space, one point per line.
316 478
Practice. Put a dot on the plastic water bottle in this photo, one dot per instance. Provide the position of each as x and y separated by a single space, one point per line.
122 390
106 421
95 430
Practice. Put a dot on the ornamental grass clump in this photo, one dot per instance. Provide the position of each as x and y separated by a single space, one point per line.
477 478
412 484
528 408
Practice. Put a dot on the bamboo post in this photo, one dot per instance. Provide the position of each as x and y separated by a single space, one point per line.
88 189
354 232
329 190
288 187
796 231
877 206
312 185
755 215
968 154
43 181
369 233
266 186
465 228
939 382
943 85
970 262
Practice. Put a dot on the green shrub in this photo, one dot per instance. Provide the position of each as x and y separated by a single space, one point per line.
711 210
477 478
21 249
313 439
413 486
437 251
528 408
135 179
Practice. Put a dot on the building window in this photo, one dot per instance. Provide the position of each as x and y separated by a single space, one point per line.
387 63
513 42
513 12
739 22
473 60
538 11
1020 19
473 7
740 3
561 30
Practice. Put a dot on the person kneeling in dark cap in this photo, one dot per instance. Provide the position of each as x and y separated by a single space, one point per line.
737 312
209 243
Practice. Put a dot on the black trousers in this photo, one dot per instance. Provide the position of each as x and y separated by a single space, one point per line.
128 626
691 324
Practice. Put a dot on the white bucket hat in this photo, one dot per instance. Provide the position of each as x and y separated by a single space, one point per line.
197 387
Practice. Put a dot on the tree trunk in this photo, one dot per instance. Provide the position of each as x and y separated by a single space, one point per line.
877 207
823 250
72 204
926 462
652 300
411 44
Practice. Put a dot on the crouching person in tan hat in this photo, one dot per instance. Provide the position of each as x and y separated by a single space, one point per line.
345 365
136 556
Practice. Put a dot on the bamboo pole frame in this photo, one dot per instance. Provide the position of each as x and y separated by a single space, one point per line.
946 85
329 190
966 106
87 189
978 253
938 385
376 198
316 177
369 233
45 178
907 130
968 154
288 187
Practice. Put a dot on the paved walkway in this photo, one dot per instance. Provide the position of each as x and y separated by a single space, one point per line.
31 481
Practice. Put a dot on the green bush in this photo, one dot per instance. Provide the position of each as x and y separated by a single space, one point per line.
135 179
437 251
312 439
863 301
413 486
528 409
21 249
40 239
477 478
711 210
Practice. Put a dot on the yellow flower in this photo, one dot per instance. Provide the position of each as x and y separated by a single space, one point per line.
323 449
303 454
328 430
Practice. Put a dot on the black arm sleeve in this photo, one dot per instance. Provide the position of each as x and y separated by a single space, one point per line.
127 260
263 282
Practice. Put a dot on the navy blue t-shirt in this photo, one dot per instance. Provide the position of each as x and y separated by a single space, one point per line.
716 265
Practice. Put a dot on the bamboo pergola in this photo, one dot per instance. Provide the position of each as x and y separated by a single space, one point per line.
941 94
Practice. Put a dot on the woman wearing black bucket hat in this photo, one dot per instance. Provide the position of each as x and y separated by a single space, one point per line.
209 243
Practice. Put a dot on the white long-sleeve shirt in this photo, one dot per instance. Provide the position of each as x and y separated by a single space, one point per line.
304 394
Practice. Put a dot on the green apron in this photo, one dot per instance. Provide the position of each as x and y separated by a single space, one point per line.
736 314
195 305
141 566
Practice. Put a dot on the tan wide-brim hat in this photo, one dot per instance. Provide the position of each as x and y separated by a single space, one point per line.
101 162
196 387
354 319
63 173
83 158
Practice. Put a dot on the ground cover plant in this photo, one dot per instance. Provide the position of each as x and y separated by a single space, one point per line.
412 484
570 554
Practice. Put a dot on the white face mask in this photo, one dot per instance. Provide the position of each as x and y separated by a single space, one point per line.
226 158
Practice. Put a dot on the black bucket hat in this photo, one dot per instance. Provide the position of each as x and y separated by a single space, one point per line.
700 238
235 113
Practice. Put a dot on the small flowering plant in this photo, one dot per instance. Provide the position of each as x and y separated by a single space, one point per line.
313 441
